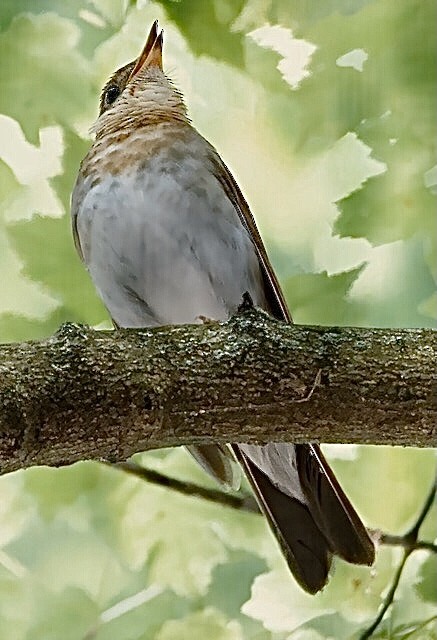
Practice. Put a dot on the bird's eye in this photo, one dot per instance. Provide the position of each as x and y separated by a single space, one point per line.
111 94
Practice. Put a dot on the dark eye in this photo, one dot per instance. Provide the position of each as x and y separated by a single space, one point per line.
111 94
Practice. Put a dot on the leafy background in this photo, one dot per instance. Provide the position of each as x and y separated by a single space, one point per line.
324 111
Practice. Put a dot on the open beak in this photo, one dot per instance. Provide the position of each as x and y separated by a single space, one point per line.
151 55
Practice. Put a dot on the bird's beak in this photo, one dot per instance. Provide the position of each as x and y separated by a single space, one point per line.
151 55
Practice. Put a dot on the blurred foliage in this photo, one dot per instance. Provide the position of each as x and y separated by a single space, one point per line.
325 112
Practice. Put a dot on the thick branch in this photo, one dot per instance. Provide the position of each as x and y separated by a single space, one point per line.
88 394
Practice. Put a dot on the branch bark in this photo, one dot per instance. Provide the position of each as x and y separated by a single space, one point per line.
86 394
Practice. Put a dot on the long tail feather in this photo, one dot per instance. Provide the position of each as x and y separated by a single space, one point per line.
307 510
218 461
331 509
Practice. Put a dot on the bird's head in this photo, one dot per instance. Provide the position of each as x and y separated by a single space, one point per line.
140 93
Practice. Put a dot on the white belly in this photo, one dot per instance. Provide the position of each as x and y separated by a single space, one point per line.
162 250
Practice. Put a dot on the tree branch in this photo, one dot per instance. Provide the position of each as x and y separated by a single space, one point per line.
93 394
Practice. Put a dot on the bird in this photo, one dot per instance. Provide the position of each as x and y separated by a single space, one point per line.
167 238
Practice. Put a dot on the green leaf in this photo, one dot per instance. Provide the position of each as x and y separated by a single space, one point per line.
205 624
377 474
232 581
78 532
67 615
387 208
332 625
269 602
392 289
410 616
164 524
110 9
312 11
207 27
426 587
114 11
429 306
18 295
96 19
8 184
49 84
231 587
89 488
320 298
17 328
75 149
55 489
58 267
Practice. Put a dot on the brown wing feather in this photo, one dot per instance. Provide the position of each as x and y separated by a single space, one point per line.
328 523
274 295
75 199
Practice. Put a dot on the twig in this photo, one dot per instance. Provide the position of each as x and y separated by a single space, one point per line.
389 597
239 501
402 541
413 533
410 543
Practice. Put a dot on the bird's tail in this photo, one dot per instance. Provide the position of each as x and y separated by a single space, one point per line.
307 509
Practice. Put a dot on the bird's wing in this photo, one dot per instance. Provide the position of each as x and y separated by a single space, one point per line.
307 510
75 199
218 461
275 297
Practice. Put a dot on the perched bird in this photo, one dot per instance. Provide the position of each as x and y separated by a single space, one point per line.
168 237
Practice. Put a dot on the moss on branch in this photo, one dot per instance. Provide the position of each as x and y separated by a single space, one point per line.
85 394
